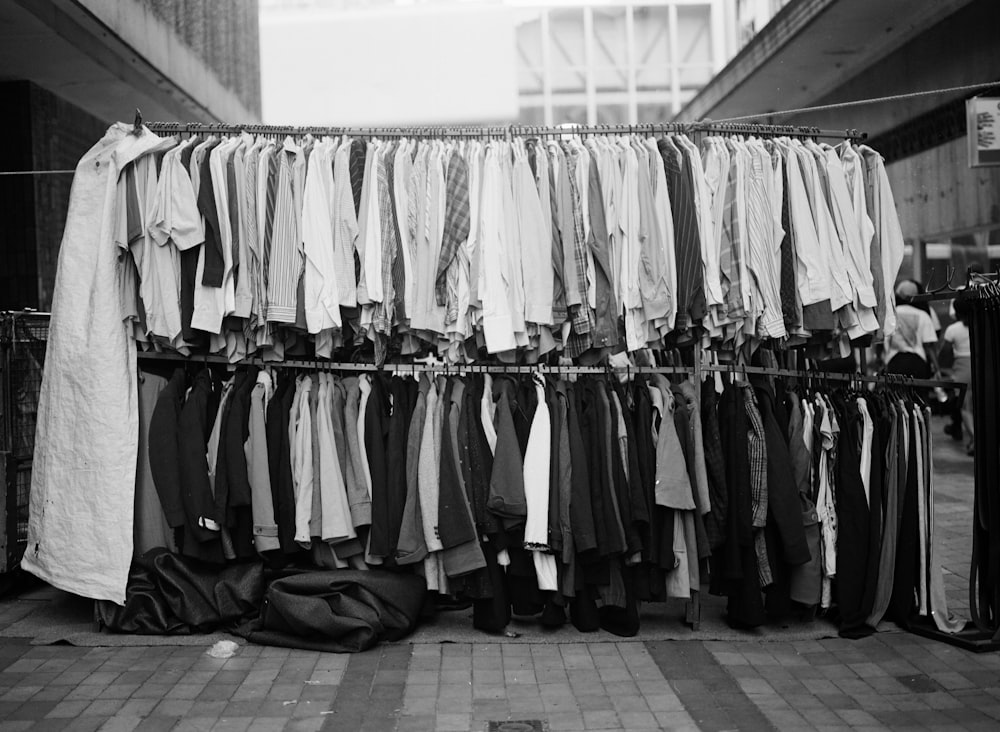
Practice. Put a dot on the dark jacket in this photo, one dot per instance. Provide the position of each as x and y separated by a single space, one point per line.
194 425
506 498
377 417
164 458
214 260
581 509
279 457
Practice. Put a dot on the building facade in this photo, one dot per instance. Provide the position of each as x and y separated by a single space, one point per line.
904 60
534 62
617 63
69 68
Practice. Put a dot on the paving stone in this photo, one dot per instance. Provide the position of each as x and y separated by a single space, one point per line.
121 723
417 723
452 722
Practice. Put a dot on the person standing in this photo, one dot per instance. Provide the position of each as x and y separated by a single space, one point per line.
957 335
911 349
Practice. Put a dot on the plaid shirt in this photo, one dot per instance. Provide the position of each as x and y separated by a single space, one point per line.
757 451
384 311
457 221
579 339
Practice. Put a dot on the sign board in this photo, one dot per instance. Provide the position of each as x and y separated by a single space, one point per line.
983 128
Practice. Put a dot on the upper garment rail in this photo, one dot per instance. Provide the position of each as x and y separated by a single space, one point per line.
509 131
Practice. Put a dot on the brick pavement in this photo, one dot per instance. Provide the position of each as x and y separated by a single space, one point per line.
888 681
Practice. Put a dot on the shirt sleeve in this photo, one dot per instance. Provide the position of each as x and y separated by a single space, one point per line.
927 332
186 226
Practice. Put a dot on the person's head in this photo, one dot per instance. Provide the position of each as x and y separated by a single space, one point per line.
906 290
963 311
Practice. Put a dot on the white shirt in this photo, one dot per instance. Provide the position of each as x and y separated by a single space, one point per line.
345 223
535 247
913 329
812 267
322 298
175 226
957 334
498 320
889 232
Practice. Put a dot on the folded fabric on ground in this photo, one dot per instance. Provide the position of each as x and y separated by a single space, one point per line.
168 594
339 611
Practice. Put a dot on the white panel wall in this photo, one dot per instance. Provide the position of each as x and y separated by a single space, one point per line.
403 66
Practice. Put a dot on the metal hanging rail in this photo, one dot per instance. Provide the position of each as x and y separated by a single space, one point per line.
509 131
418 367
884 379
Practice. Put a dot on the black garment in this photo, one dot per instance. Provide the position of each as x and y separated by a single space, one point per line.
492 613
642 438
852 526
279 458
876 499
215 265
234 216
164 454
638 490
715 466
595 426
555 540
506 497
620 483
622 621
788 288
398 272
477 462
356 168
734 570
583 611
376 436
168 594
784 533
580 506
690 278
189 275
906 576
455 524
342 611
232 482
783 506
526 599
909 364
200 541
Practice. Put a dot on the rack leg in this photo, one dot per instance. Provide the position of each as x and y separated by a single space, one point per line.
693 610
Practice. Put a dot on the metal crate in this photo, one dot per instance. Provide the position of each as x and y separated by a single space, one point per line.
23 338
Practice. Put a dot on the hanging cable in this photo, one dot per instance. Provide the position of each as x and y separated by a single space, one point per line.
36 172
858 102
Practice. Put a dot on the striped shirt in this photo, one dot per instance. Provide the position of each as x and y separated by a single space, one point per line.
760 236
285 256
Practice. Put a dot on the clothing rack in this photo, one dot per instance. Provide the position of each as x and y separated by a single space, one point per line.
885 379
510 131
948 292
418 367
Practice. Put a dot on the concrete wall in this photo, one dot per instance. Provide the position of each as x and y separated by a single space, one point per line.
224 35
188 60
961 49
52 135
938 194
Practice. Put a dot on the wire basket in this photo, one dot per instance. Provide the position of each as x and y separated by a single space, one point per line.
23 340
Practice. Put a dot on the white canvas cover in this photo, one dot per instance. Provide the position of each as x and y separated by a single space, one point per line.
86 441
